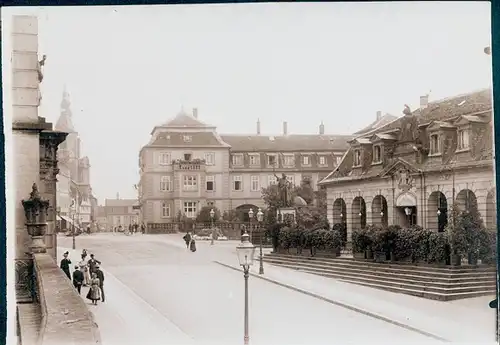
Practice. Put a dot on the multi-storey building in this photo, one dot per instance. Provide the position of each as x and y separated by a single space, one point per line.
187 165
120 212
414 169
73 180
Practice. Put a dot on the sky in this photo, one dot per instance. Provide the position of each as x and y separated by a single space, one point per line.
129 68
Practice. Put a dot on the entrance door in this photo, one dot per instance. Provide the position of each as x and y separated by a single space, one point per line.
407 215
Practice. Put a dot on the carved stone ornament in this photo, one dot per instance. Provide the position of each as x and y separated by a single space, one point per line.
405 180
36 211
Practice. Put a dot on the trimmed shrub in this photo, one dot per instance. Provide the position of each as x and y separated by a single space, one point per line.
437 244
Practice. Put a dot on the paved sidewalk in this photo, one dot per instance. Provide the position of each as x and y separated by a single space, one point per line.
469 320
124 318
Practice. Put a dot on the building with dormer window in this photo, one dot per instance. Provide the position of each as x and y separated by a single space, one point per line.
187 165
415 168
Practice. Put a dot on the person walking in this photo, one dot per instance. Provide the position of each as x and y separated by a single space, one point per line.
100 276
65 262
192 245
187 238
135 227
94 293
78 279
93 263
143 228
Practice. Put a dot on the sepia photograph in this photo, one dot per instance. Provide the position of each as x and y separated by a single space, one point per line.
250 173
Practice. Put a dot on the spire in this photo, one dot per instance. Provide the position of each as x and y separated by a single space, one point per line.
65 122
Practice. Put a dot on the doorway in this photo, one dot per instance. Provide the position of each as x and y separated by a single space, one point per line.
407 216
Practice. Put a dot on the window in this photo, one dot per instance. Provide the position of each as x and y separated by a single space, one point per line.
463 139
434 144
187 157
254 159
255 185
271 179
190 182
187 138
165 158
165 210
322 160
271 160
237 184
289 160
210 158
377 157
165 184
237 159
338 159
210 183
305 160
291 179
357 158
190 209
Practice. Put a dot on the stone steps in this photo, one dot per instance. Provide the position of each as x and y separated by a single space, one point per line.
428 282
29 319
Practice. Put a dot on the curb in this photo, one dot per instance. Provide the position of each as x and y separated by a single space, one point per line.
340 304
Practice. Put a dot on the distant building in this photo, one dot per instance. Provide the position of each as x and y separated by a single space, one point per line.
187 165
101 218
120 212
414 169
74 192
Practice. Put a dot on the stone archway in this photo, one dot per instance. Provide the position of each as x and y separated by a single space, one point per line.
379 211
358 213
437 211
339 211
466 200
491 210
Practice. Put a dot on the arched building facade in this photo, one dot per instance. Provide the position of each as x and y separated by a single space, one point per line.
415 169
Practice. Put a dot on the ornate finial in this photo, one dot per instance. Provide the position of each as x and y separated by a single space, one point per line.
34 195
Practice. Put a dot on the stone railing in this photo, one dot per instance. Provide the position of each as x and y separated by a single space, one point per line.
65 316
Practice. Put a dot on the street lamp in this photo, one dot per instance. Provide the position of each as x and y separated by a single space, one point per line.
260 217
73 208
212 215
246 252
250 217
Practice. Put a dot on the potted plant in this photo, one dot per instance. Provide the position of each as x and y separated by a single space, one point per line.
392 234
359 243
333 241
403 245
438 251
379 245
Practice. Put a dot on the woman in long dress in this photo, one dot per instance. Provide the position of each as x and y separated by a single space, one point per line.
94 293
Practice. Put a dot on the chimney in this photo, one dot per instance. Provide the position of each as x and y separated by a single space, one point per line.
195 113
424 101
379 115
258 126
321 128
285 128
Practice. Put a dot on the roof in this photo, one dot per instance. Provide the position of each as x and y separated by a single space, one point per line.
473 107
384 120
176 139
185 120
120 202
292 142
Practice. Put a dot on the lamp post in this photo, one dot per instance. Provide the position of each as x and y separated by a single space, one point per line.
212 215
250 218
246 252
408 214
260 217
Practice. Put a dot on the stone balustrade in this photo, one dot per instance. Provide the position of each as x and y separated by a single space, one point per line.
66 318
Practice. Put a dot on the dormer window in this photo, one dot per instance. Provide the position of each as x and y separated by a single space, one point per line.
463 139
357 158
377 154
434 144
187 138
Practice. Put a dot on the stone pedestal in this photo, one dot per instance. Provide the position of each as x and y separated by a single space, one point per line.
37 245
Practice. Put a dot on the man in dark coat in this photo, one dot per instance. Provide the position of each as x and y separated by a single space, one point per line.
65 262
78 279
187 238
93 263
100 275
143 228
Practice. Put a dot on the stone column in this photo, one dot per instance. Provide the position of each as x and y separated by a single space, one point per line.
49 141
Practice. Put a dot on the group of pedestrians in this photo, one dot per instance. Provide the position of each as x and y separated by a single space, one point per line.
87 273
132 229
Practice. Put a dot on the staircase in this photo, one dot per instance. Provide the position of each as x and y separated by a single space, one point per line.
444 284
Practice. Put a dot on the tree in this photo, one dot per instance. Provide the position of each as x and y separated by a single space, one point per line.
204 214
464 230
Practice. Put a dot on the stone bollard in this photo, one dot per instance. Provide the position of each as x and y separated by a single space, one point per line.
36 211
